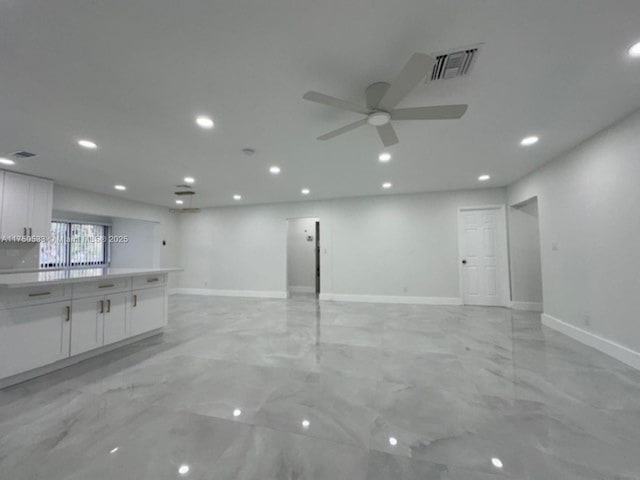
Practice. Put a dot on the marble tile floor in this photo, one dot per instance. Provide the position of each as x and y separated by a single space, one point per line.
240 388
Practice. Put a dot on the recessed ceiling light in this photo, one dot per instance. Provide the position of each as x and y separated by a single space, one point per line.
384 157
237 197
7 161
183 470
120 187
393 441
634 50
484 178
275 170
305 191
496 462
87 144
305 423
189 179
528 141
204 122
114 449
386 185
237 412
179 202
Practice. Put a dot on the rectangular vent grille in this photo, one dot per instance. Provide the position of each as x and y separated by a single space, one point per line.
456 64
24 154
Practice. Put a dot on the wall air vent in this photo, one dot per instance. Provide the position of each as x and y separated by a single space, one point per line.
454 64
23 154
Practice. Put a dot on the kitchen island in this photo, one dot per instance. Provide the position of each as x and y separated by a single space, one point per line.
54 318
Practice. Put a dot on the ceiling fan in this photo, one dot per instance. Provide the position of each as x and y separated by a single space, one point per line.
381 99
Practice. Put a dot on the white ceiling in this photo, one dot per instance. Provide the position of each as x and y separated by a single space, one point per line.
132 75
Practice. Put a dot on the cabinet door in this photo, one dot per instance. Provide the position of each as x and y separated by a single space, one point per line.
115 317
40 206
87 324
147 310
34 336
15 204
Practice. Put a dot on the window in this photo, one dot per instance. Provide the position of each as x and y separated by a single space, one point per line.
75 245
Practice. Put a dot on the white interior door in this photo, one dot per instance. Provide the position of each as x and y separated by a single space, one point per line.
483 260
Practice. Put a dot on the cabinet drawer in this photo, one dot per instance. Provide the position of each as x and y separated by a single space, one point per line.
101 287
11 297
147 281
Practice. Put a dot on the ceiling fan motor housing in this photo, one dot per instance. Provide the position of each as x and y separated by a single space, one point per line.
378 118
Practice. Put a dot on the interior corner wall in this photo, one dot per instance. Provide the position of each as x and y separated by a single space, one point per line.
524 254
590 229
383 246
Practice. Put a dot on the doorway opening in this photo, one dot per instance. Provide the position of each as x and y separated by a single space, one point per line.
303 256
483 262
524 250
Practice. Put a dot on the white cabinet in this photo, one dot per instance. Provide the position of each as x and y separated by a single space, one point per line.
87 324
116 316
27 204
147 310
98 321
33 336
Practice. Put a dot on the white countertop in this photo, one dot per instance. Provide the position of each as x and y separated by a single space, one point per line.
74 275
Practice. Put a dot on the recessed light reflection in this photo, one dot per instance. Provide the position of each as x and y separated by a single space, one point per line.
484 178
204 122
384 157
189 179
7 161
88 144
237 197
114 450
634 50
237 412
305 191
275 170
122 188
386 185
179 202
496 462
183 470
305 423
393 441
528 141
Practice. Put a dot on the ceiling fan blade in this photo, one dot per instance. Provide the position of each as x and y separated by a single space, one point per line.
437 112
345 129
387 135
415 70
335 102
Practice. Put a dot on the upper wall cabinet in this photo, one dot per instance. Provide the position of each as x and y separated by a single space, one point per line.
27 203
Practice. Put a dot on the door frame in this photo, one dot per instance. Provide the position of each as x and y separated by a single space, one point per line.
503 258
318 257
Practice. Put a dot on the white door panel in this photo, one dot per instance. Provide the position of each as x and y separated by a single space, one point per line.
483 256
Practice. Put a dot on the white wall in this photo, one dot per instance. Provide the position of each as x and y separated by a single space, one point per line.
589 207
136 252
524 253
301 255
396 245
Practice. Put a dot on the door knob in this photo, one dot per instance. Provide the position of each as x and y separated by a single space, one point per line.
464 262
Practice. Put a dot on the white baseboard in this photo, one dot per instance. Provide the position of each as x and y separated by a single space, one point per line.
301 289
229 293
527 306
338 297
604 345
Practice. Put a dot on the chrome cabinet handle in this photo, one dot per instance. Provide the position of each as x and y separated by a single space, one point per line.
39 294
109 306
68 313
151 280
101 306
135 300
109 285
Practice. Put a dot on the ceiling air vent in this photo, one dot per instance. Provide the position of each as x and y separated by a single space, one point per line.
454 64
23 154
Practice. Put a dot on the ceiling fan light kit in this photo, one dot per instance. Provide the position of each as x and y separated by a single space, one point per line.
382 98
